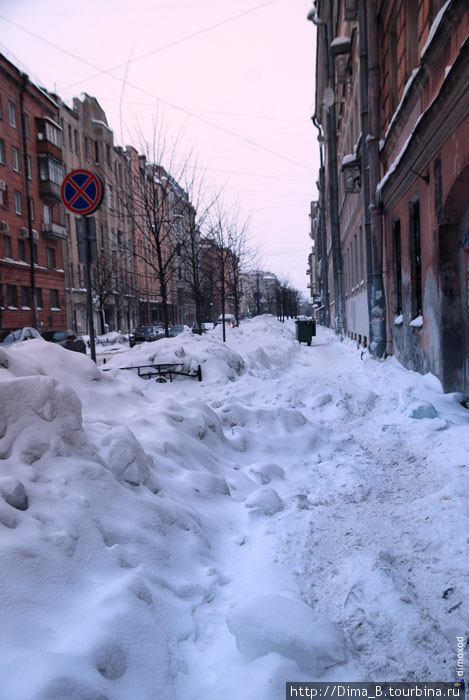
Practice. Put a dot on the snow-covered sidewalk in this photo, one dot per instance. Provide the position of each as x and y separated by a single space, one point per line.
301 514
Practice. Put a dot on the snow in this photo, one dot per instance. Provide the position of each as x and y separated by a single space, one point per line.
405 92
274 623
349 158
341 44
417 322
433 29
300 514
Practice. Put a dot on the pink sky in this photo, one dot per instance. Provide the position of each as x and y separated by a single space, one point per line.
252 76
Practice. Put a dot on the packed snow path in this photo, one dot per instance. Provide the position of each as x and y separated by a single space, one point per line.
300 515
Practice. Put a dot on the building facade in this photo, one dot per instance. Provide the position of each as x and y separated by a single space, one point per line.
392 109
32 225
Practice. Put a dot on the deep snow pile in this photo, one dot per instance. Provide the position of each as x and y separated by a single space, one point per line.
298 515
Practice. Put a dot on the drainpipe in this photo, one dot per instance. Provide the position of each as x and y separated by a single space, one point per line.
324 277
327 33
32 280
378 304
363 51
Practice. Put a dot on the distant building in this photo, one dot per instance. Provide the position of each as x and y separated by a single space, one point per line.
259 293
392 109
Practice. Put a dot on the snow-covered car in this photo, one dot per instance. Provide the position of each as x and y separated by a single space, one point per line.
67 339
176 330
201 328
8 336
145 334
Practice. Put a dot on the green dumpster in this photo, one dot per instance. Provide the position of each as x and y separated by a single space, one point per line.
305 330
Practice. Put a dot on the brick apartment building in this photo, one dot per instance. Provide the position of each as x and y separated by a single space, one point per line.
392 110
31 217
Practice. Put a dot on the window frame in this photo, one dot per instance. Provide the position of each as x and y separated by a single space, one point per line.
12 114
15 159
18 203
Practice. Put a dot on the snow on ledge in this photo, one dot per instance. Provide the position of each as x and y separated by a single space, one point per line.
435 24
349 158
398 320
417 322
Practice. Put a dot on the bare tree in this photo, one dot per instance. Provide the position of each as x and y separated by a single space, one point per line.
219 252
190 245
287 300
239 258
102 287
157 209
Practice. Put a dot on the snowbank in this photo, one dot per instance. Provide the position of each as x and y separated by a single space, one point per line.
137 518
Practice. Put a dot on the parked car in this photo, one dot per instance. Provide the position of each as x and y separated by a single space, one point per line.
176 330
230 320
202 328
145 334
67 339
8 336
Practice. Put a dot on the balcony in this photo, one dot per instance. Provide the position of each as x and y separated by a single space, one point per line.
51 174
54 231
49 138
49 191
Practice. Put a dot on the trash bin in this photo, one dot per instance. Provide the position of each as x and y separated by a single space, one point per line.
305 331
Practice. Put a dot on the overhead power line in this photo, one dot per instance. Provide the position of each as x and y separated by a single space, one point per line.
163 47
213 125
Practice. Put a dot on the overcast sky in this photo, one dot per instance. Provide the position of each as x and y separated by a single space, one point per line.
231 80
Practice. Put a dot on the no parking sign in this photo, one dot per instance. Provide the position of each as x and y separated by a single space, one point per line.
82 192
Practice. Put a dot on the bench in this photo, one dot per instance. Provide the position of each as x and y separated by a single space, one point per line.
161 371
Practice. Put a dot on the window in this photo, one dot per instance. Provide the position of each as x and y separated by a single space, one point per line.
87 150
25 297
4 198
39 303
35 253
47 213
70 140
397 265
21 250
108 155
12 296
435 7
111 197
26 126
54 298
77 142
50 169
96 152
412 35
15 161
53 134
2 151
50 257
7 249
29 167
11 114
18 202
415 259
362 254
31 207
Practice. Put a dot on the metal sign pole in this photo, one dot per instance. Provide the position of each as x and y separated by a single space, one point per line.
89 301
